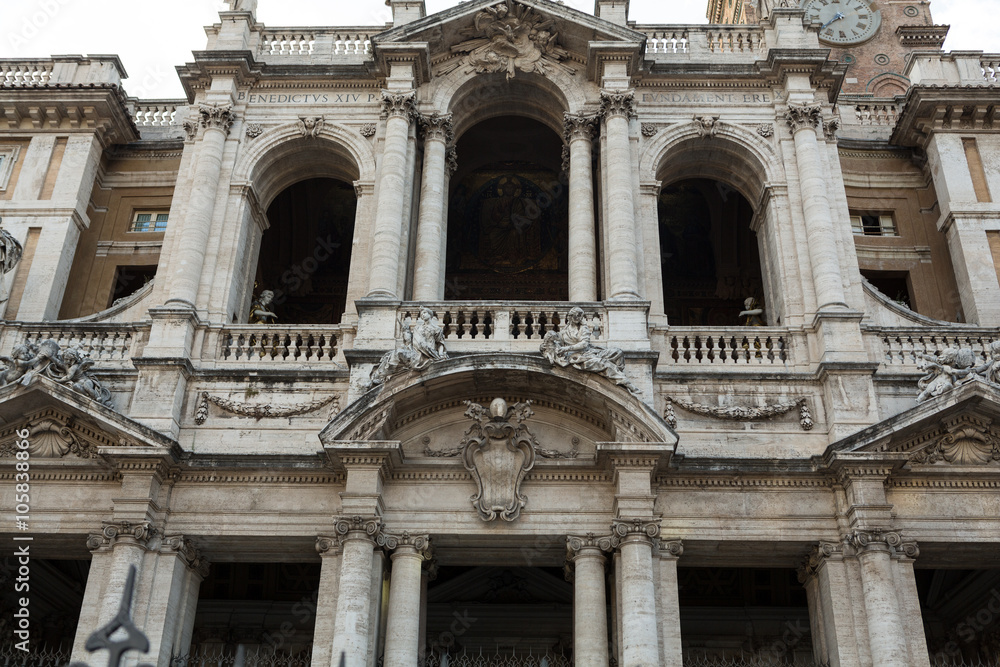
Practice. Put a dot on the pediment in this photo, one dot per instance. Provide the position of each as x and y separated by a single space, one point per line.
461 36
959 431
64 424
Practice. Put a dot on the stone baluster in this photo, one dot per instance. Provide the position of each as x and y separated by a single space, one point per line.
358 537
886 630
822 238
384 267
402 635
578 135
590 609
428 281
617 109
634 540
192 243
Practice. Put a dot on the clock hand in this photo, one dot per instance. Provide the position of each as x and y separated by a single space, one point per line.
836 17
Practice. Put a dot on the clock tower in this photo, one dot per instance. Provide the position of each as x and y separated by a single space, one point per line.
871 37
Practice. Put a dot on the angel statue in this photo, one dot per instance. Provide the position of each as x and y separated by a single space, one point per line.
571 346
945 371
72 368
990 370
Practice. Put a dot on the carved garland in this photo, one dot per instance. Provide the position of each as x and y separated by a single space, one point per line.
740 413
262 410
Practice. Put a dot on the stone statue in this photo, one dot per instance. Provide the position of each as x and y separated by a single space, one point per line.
945 371
421 345
753 315
990 371
10 255
571 346
259 313
242 5
68 366
428 337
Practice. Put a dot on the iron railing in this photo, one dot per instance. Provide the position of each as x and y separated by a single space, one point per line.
496 659
243 656
11 656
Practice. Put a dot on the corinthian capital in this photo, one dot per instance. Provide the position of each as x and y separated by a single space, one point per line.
578 126
803 116
617 104
218 116
437 128
882 540
626 530
399 104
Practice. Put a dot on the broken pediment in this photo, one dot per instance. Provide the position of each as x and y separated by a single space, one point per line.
959 429
508 37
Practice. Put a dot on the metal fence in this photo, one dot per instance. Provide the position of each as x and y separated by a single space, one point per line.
495 659
243 656
743 660
11 656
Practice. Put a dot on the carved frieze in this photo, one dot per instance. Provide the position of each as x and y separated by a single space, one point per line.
218 116
510 37
499 450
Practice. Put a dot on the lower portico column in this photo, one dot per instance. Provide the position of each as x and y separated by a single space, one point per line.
668 610
326 599
590 608
833 622
634 541
886 630
402 635
358 537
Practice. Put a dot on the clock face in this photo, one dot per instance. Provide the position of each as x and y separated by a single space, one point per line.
843 21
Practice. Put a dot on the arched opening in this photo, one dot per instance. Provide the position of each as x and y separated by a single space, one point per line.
709 254
305 255
508 214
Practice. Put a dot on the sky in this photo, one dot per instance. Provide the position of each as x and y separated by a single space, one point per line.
152 37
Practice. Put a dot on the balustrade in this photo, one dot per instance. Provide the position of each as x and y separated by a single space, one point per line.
276 343
703 41
101 342
747 346
287 42
157 113
903 347
666 40
25 72
339 42
877 113
991 67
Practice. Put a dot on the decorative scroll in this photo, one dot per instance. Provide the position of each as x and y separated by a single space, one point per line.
740 413
261 410
510 37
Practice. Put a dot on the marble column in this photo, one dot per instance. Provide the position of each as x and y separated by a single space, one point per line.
634 541
590 607
886 630
579 135
617 108
392 181
168 616
189 255
402 634
822 238
428 281
668 609
834 611
328 549
352 625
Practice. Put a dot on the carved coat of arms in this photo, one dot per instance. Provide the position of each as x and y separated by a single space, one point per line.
508 37
499 451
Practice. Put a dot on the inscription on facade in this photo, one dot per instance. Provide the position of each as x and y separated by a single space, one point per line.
727 97
340 97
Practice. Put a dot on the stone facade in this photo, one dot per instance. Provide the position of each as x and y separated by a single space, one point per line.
709 285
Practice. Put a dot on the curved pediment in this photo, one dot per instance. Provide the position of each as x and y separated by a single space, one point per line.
425 412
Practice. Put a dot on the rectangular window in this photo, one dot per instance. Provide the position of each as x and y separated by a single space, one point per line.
873 225
149 222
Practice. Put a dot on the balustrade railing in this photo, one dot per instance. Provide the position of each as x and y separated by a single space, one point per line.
735 40
666 40
877 113
990 62
746 346
25 72
502 321
157 113
276 343
708 41
903 347
101 342
337 42
287 42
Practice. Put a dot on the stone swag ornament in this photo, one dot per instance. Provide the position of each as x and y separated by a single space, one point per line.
68 366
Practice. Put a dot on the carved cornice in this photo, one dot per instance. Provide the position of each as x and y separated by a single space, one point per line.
634 530
399 104
803 116
190 554
218 116
437 127
139 533
578 126
863 541
614 104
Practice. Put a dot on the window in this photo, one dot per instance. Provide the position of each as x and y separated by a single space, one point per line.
149 222
894 284
129 280
873 225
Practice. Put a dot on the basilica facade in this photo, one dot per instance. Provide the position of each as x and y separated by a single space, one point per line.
508 335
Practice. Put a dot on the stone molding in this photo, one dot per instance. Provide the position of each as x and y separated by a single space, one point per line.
402 105
140 533
190 554
803 116
437 127
218 116
617 103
